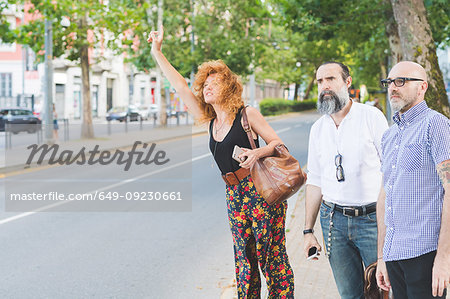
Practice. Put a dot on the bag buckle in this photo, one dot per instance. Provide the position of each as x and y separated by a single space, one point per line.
231 178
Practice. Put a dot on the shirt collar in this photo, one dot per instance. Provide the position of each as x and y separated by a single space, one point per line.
411 114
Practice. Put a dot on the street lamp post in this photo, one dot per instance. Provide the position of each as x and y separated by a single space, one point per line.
48 79
48 115
192 41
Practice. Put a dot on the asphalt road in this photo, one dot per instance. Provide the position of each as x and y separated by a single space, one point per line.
128 254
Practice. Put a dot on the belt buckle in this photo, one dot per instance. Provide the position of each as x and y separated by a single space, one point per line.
355 211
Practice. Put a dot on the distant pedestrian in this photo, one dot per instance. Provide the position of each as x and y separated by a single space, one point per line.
55 124
258 229
344 179
376 103
414 205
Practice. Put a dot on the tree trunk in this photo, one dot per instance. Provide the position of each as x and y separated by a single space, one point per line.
296 91
310 86
418 45
87 130
392 34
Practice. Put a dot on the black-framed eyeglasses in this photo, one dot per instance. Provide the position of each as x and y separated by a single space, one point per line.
399 81
339 169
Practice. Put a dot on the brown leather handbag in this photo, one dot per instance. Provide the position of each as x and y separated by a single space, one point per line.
371 289
276 177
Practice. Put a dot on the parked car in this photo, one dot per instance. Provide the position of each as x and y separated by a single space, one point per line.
153 111
123 113
21 120
149 112
143 112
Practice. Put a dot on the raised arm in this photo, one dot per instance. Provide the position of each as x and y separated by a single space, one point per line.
174 77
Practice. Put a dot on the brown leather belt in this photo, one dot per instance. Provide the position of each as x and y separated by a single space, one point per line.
233 178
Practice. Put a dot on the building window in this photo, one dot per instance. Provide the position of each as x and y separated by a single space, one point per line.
94 100
142 95
5 84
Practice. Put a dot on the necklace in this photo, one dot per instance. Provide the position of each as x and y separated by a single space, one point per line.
218 128
214 154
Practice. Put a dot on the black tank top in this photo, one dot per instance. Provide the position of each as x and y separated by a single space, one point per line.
223 150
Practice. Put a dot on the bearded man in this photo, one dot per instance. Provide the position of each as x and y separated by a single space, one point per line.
344 179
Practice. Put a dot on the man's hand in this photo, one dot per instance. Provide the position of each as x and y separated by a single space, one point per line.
382 276
310 241
441 274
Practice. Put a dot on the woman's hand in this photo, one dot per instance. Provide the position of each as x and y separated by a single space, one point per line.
250 157
156 38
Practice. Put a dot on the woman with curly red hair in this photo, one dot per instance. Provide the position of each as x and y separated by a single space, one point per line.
258 229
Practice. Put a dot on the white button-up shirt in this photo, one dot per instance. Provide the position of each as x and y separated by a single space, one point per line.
358 140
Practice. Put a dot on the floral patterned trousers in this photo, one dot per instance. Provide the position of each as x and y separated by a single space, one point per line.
259 237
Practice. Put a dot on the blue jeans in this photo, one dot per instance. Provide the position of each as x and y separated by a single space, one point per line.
350 243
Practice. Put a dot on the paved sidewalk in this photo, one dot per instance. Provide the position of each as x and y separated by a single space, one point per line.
313 279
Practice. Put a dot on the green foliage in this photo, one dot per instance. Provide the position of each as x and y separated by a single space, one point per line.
275 106
220 29
352 32
271 106
297 106
90 23
438 15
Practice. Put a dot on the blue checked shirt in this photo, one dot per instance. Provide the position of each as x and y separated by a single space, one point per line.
411 149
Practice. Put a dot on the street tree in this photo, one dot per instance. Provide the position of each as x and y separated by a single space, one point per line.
220 32
93 24
369 32
418 45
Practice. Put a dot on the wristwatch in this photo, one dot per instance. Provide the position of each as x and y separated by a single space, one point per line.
308 231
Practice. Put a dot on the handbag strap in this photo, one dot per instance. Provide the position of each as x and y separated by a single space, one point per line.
247 128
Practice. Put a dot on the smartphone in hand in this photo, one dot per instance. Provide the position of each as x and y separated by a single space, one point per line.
312 253
236 152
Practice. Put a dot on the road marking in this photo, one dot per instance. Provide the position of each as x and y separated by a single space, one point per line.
283 130
22 215
299 125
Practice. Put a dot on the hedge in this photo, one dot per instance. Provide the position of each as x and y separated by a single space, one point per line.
271 106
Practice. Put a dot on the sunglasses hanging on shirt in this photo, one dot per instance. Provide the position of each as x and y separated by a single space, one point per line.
339 169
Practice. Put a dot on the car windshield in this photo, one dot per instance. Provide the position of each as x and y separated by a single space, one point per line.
16 112
22 112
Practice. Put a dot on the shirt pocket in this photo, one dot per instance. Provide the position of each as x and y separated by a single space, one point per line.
412 157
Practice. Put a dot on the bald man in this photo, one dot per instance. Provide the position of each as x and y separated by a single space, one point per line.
413 209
